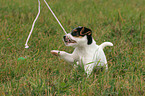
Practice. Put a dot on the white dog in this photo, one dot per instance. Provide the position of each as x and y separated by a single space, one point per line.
86 51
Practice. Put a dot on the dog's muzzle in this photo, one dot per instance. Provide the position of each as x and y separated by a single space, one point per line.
67 40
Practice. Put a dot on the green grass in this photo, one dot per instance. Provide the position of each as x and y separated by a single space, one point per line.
121 22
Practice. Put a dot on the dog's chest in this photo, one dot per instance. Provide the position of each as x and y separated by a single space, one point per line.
86 55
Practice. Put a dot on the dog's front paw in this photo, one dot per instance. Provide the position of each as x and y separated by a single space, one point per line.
55 52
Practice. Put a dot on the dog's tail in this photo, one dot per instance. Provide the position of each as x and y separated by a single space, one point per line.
106 44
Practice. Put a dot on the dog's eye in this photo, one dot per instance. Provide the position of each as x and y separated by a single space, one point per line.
74 34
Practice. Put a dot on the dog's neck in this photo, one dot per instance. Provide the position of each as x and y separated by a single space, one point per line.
85 47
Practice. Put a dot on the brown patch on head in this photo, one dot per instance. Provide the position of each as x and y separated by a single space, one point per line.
85 31
88 33
81 32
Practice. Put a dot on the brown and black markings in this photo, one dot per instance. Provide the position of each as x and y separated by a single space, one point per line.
80 32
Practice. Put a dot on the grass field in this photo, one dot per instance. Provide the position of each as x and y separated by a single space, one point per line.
121 22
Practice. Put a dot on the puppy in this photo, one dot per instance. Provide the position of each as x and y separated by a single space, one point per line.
86 51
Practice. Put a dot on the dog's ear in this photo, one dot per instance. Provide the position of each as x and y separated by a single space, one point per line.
89 37
88 32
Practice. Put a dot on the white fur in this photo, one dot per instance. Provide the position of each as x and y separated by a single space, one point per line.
89 55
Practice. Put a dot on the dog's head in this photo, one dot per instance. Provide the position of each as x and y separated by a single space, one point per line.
79 36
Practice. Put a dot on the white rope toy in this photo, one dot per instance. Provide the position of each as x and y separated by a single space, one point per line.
55 17
26 44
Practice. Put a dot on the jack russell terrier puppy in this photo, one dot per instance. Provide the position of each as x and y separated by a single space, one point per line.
86 51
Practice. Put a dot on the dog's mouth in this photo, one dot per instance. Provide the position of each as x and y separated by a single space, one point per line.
68 40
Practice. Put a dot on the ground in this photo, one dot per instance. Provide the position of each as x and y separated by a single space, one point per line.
40 73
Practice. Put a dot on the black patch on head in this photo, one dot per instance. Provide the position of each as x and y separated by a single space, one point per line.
82 31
